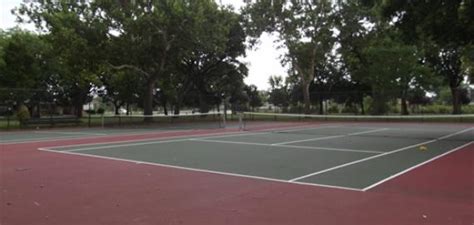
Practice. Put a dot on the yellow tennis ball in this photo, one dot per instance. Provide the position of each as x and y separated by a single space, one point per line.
423 148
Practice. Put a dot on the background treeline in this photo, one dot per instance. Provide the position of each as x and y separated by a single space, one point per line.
359 56
368 56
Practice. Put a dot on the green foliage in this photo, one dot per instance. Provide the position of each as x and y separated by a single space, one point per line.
90 112
25 69
77 34
279 95
391 65
101 111
445 22
255 98
377 55
303 27
468 109
333 109
444 28
435 109
22 53
23 114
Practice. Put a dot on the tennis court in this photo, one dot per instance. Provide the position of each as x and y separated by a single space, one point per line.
341 155
267 171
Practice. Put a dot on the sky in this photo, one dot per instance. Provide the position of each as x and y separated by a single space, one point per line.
263 61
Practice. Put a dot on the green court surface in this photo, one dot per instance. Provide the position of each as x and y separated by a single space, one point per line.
348 156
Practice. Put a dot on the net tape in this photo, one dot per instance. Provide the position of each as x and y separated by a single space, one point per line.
399 127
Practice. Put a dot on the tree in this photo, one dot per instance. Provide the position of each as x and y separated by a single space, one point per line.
376 54
210 57
447 63
450 33
355 22
147 39
77 33
304 28
24 69
255 99
445 96
121 88
279 95
169 44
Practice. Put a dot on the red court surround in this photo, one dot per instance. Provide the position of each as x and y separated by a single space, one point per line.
40 187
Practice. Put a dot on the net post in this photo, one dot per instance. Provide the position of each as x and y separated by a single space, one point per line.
239 115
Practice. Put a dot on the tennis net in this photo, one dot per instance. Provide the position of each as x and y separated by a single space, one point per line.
447 127
183 121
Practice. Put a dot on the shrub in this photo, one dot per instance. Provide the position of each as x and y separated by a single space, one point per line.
468 109
353 109
436 109
23 114
100 111
90 111
333 109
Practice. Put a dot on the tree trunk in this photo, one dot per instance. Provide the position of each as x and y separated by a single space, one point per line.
165 109
362 107
78 108
321 106
379 106
306 98
117 107
203 106
404 105
456 100
176 109
38 110
148 100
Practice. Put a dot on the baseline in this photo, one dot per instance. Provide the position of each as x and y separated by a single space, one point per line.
70 132
416 166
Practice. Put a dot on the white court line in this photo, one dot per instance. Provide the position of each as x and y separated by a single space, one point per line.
33 140
268 131
380 155
416 166
309 127
213 141
70 132
310 139
201 170
331 137
124 145
286 146
181 137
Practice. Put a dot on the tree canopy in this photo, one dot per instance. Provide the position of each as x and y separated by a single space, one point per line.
365 56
